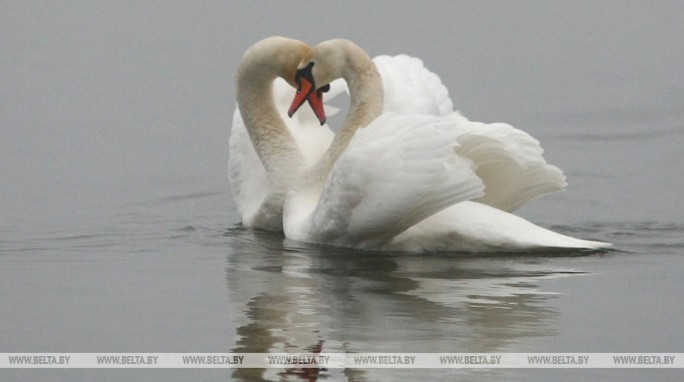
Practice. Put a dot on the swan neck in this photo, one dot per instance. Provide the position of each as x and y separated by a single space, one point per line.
366 102
269 134
365 105
365 87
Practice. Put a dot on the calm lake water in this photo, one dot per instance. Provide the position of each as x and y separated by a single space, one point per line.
118 233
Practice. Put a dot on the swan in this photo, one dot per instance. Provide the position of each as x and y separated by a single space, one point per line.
258 172
402 179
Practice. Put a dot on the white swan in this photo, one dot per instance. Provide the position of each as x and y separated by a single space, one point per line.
407 182
283 145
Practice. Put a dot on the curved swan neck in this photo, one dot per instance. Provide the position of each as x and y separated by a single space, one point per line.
366 97
356 67
260 65
366 100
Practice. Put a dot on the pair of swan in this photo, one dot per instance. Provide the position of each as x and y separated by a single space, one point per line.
405 172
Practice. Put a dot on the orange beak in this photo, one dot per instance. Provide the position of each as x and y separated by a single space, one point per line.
316 103
303 92
307 92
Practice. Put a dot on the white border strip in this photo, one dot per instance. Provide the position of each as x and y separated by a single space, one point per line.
340 360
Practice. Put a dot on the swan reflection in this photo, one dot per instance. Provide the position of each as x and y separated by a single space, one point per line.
294 299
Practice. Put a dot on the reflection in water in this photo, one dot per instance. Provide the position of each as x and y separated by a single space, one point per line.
310 299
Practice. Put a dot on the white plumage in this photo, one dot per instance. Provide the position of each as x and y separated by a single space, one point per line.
419 177
394 173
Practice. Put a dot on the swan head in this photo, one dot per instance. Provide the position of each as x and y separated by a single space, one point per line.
307 90
326 62
277 57
273 57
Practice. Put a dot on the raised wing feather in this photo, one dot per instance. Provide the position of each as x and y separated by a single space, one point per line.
509 162
410 88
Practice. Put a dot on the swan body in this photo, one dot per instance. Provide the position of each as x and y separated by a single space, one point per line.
411 174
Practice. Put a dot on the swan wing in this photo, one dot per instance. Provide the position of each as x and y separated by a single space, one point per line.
510 162
410 88
396 172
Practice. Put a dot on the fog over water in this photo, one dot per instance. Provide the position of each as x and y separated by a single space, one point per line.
118 232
